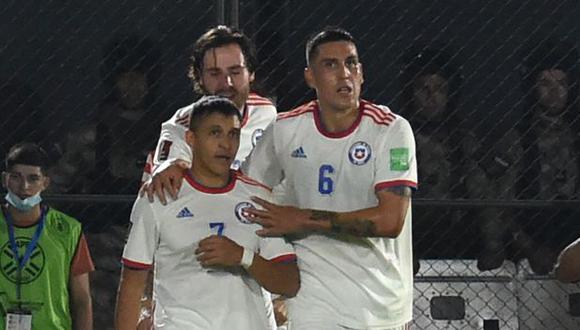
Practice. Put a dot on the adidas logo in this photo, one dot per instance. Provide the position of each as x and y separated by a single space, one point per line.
298 153
185 213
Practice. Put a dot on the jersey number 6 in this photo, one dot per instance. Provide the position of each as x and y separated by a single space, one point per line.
325 183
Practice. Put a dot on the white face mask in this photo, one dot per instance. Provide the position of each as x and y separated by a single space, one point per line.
23 205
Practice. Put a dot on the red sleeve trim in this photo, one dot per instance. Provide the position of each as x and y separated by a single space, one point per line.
388 184
82 262
135 265
285 258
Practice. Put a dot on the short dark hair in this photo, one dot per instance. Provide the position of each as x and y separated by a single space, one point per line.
27 153
328 34
217 37
208 105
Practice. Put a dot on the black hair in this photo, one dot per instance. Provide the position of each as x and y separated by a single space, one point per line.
421 61
328 34
208 105
127 53
27 153
217 37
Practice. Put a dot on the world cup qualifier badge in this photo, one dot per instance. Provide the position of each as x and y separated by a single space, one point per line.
256 136
359 153
241 213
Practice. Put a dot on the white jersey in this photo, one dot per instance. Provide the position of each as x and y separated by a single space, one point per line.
359 283
258 113
188 296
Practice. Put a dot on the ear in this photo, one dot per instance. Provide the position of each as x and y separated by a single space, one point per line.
189 138
46 183
362 76
252 77
309 77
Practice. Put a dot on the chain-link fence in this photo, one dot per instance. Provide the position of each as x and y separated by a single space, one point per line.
490 88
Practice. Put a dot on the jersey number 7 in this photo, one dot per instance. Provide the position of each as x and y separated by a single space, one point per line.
219 226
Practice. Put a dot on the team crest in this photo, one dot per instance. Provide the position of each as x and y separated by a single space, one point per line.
32 269
241 213
359 153
256 136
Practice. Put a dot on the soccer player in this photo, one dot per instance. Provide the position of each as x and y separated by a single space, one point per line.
44 280
349 167
210 266
223 63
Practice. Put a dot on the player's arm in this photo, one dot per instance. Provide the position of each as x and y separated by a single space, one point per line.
131 288
275 276
81 304
172 156
384 220
138 258
568 266
79 287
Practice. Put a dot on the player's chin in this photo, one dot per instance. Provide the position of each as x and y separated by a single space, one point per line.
223 164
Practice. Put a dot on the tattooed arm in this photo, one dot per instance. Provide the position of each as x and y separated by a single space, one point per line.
384 220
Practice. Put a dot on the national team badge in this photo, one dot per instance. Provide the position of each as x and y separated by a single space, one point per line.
359 153
256 136
241 213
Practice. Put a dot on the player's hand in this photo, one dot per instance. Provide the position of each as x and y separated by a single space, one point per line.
168 179
278 220
219 251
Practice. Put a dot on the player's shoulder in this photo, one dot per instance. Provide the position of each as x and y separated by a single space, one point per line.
380 115
251 184
181 116
259 102
54 214
297 113
62 223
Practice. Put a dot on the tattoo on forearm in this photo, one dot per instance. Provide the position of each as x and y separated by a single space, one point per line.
403 191
356 227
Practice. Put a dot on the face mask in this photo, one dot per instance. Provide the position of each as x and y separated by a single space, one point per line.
23 205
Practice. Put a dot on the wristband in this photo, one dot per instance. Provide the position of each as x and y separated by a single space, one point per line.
247 258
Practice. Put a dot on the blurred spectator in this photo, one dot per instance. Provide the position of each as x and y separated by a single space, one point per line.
549 128
129 119
431 84
108 154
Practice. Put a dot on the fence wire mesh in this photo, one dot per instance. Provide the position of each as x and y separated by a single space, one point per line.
490 88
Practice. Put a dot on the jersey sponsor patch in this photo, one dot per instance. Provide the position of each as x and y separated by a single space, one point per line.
256 136
298 153
241 213
359 153
185 213
164 148
399 159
